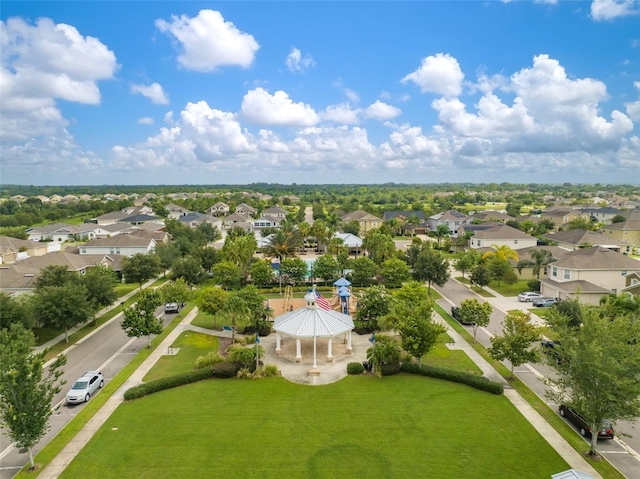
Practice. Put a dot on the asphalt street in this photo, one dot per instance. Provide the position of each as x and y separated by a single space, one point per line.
107 350
623 452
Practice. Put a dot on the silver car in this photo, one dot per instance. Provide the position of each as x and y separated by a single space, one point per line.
528 296
84 387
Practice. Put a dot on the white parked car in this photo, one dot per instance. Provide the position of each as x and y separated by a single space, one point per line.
529 296
84 387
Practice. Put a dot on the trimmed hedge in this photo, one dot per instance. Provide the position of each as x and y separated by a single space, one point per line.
472 380
355 368
226 369
151 387
390 369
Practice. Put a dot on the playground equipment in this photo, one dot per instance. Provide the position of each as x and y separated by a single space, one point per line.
288 296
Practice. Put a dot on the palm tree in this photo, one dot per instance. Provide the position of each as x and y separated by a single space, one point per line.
503 252
441 231
541 258
236 309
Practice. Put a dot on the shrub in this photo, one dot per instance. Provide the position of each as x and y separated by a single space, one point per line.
226 369
355 368
243 355
390 369
365 326
534 285
151 387
245 373
271 370
209 359
472 380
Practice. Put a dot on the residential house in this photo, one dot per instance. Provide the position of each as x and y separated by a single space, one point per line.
122 244
109 218
491 215
175 211
291 198
351 242
266 222
274 212
14 249
451 218
219 209
588 274
366 220
238 220
141 219
499 235
58 232
245 209
632 284
628 231
409 223
193 220
602 215
578 238
526 272
562 216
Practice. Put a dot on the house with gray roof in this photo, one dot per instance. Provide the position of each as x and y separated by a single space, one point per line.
14 249
219 209
122 244
451 218
602 215
245 209
588 274
578 238
58 232
500 235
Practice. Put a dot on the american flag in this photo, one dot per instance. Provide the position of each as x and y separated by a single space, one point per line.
322 302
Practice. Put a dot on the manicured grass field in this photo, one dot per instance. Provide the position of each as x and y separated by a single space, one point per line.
191 346
396 427
482 292
510 290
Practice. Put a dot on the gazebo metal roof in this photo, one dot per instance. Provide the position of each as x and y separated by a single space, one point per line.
311 321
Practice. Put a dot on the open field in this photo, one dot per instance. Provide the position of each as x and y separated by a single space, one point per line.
399 426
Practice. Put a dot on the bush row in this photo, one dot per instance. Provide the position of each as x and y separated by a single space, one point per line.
151 387
472 380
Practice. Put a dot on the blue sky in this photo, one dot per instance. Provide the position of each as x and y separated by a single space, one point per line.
148 92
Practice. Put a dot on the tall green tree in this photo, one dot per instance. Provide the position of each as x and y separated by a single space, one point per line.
177 291
283 244
295 269
140 319
465 261
514 345
240 250
501 251
140 268
227 274
431 266
441 231
418 331
394 272
53 275
372 303
63 306
385 350
379 246
26 388
480 276
261 272
210 301
188 269
237 310
16 309
599 371
327 268
100 282
168 254
477 313
364 271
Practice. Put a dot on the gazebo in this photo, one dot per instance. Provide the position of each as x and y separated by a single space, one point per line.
312 322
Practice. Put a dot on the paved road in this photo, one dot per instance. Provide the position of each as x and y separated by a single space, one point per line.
623 452
107 350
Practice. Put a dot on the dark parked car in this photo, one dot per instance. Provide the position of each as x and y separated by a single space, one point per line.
455 312
545 302
605 431
552 348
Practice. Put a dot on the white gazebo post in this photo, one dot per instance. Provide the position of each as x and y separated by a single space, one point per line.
349 348
329 352
298 351
278 346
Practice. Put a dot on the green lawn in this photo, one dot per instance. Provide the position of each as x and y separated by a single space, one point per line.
510 290
191 346
400 426
444 357
480 291
204 320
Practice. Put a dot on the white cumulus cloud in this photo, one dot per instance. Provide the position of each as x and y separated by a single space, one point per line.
153 92
381 111
44 62
262 108
145 120
440 74
610 9
207 41
297 63
343 114
633 107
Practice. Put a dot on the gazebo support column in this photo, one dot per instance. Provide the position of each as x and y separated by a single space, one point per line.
278 344
298 351
329 352
349 347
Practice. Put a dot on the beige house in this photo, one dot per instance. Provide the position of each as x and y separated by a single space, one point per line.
245 209
575 239
219 209
588 274
122 244
632 283
628 231
366 220
562 216
13 249
499 235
